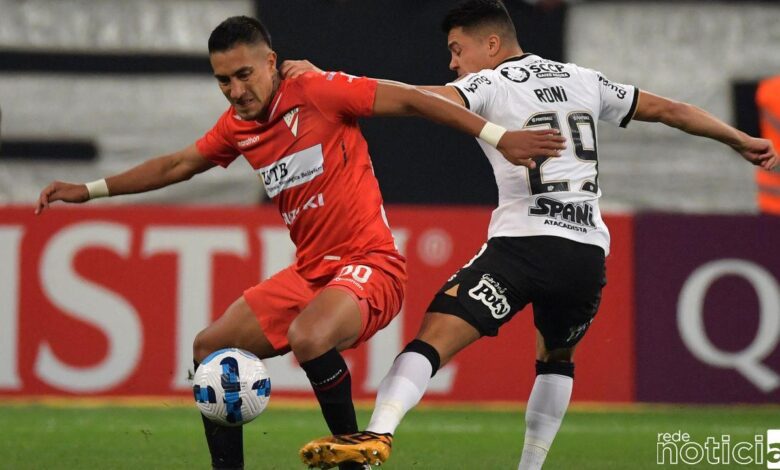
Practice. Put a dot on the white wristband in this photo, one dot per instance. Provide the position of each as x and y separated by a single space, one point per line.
97 189
492 133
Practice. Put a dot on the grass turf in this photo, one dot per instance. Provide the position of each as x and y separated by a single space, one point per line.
170 437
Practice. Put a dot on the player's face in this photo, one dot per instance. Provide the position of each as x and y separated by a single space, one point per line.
469 53
247 77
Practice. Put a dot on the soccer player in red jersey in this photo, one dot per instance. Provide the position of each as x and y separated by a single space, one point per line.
302 138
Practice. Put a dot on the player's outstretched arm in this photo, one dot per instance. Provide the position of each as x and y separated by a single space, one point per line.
443 105
518 147
447 92
294 68
152 174
696 121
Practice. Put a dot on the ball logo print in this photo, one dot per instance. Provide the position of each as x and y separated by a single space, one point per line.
262 388
231 387
204 394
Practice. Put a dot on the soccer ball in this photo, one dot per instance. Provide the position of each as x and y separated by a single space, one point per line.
231 387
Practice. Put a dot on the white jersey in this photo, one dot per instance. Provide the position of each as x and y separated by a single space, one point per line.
560 196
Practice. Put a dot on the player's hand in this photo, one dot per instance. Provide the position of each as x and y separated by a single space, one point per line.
759 152
296 68
61 191
520 147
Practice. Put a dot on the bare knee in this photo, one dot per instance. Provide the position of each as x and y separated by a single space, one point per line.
203 345
306 342
331 320
236 328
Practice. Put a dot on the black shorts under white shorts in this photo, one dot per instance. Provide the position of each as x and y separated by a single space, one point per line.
561 278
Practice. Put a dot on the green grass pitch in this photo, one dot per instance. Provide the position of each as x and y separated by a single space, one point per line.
36 436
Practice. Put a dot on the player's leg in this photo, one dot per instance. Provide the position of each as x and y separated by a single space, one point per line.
474 302
341 316
547 403
563 311
237 327
328 325
354 305
240 327
440 338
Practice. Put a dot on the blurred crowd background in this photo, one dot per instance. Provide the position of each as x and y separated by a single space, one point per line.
88 88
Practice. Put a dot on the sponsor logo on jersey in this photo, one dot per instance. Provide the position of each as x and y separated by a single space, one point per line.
516 74
619 90
549 70
491 294
292 170
474 83
249 141
291 119
318 200
570 215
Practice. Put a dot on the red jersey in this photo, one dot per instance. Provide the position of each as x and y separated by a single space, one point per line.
314 163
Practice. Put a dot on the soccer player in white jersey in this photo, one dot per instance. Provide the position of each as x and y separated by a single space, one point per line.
546 241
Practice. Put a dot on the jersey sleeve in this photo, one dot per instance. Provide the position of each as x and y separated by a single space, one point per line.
617 102
338 95
477 90
215 144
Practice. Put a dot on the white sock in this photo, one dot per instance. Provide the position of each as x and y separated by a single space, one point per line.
543 415
400 390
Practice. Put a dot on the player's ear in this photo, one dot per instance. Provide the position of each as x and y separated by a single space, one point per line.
494 44
271 60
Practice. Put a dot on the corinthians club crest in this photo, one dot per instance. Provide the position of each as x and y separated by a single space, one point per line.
516 74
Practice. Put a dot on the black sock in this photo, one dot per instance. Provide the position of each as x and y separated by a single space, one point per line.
226 444
332 384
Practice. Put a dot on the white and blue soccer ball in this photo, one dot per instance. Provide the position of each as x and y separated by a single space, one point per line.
231 387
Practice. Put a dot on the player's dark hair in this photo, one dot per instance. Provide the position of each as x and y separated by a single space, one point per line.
238 30
472 14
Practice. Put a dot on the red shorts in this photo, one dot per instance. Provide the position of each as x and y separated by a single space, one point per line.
376 281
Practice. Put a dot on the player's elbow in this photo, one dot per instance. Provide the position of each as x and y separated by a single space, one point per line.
175 169
413 101
395 99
